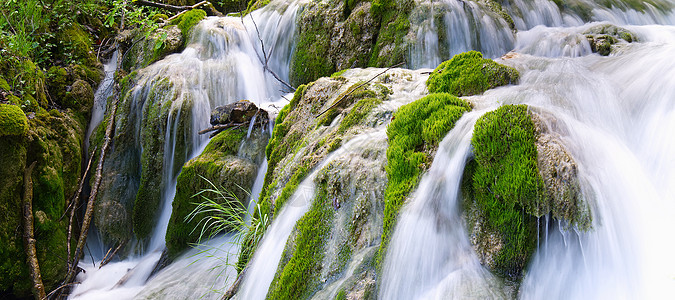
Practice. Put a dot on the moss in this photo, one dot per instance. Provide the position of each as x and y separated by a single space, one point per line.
507 184
468 74
13 271
188 20
12 120
391 46
294 279
310 59
80 98
357 113
218 164
57 83
338 73
413 135
75 45
4 86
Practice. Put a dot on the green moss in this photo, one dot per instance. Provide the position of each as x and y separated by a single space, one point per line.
218 164
75 45
188 20
295 278
391 47
468 74
338 73
413 135
310 59
12 120
4 86
356 115
506 182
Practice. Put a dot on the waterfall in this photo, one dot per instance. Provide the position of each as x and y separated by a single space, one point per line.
430 237
221 64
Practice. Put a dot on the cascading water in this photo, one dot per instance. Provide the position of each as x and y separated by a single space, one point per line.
614 114
220 65
431 238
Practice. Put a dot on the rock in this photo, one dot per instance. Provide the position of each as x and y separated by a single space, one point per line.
603 37
160 43
221 164
241 111
468 74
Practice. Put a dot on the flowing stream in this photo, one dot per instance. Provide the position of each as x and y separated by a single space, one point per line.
615 114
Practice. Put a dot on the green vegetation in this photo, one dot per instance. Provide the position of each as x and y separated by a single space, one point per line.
393 27
12 120
506 183
217 165
311 58
294 278
188 20
468 74
414 134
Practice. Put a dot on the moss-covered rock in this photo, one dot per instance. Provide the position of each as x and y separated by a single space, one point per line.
188 20
414 134
12 120
507 185
468 74
75 45
220 165
603 37
53 141
392 44
151 47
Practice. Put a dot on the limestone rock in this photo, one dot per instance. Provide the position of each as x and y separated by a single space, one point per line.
239 112
603 37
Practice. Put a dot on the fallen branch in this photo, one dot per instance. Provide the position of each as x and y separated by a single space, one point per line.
265 58
235 286
223 126
28 237
344 96
94 189
73 207
208 5
107 259
61 287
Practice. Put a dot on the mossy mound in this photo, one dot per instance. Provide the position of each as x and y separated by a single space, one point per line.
54 142
506 184
220 165
414 134
603 37
152 46
188 20
468 74
12 120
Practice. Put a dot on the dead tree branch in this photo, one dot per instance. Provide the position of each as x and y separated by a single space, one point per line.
107 258
344 96
28 236
265 59
235 286
73 207
209 8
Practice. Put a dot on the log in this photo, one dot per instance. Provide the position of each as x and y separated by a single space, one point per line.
235 286
29 238
108 258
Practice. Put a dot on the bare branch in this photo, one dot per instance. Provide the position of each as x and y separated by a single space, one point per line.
28 237
344 96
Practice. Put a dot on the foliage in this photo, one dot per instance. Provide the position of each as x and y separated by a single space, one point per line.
415 131
394 25
506 182
468 74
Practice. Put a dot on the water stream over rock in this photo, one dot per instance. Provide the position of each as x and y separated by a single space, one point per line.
615 115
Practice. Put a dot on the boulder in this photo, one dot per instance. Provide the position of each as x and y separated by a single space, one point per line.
241 111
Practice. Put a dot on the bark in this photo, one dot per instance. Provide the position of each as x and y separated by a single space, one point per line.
108 256
29 238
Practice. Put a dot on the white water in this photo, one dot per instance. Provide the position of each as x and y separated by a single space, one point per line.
430 237
103 91
219 66
616 115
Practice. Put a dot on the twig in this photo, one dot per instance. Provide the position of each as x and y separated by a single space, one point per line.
107 259
61 287
74 204
223 126
344 96
265 59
